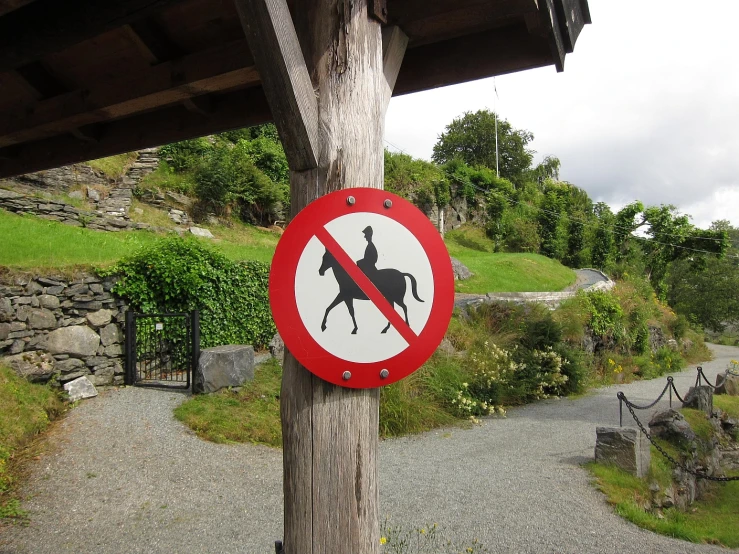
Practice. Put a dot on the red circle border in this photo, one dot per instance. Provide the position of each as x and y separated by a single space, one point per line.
284 305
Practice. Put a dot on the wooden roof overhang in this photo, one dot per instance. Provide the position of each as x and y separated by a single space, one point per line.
84 79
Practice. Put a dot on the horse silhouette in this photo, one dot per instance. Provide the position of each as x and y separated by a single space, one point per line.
390 282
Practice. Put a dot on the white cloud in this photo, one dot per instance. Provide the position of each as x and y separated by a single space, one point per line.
647 107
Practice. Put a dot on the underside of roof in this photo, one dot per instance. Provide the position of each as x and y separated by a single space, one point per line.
84 79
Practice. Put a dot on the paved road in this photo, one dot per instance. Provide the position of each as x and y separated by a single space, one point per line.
124 476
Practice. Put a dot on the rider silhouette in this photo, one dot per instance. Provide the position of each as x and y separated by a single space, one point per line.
368 263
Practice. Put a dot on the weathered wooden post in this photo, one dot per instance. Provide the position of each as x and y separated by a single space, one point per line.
328 80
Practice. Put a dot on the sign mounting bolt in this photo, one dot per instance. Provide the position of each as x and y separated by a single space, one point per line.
384 374
346 375
350 200
388 203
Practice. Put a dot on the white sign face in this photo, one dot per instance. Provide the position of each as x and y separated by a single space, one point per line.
402 257
158 326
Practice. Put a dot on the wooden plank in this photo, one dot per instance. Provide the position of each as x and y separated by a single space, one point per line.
394 43
219 69
274 43
154 38
573 15
232 110
47 26
7 6
427 22
486 54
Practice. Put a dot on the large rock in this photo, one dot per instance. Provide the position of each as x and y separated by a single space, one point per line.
49 301
41 319
700 398
200 232
277 348
36 367
726 383
111 334
100 318
80 388
671 426
223 366
624 447
76 340
460 270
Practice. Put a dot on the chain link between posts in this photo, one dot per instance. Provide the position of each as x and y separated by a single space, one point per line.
671 387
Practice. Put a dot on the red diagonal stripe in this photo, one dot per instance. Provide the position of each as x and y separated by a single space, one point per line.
366 286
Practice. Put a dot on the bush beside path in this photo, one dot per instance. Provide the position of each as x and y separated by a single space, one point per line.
122 475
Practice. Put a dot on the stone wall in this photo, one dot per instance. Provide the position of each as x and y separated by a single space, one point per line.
56 210
59 179
60 329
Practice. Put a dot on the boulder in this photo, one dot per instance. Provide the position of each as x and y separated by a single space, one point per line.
48 301
4 331
726 383
100 318
671 426
110 334
76 340
460 270
41 319
69 365
223 366
200 232
700 398
446 347
277 348
626 448
80 388
102 377
6 309
36 367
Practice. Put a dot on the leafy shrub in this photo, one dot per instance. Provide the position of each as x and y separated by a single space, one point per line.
606 315
177 275
186 155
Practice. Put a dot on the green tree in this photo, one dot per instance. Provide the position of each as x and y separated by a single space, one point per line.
673 237
603 245
706 293
471 138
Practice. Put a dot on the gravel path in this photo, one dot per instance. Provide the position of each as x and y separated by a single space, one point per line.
123 476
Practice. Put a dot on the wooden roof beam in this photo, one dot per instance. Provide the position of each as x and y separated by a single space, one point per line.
489 53
152 40
223 68
46 26
274 43
7 6
232 110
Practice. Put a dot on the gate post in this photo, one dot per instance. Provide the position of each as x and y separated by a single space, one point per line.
195 349
130 347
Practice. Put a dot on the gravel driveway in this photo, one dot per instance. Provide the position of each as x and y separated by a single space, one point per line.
123 476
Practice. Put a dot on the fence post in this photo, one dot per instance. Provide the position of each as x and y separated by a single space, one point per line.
195 342
620 412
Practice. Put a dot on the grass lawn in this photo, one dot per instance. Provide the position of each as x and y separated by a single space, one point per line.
503 272
29 242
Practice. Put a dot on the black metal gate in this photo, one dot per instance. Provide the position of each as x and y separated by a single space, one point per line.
162 350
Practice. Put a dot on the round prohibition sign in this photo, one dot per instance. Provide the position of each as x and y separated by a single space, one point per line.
361 288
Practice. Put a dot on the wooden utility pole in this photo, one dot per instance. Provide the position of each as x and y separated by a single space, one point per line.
328 80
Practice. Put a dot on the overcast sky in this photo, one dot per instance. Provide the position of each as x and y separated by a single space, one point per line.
647 107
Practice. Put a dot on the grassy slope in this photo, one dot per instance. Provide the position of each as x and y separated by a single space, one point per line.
26 411
29 242
503 272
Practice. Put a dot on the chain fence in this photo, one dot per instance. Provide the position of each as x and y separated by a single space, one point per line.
670 386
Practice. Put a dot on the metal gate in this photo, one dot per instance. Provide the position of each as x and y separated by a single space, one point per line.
162 350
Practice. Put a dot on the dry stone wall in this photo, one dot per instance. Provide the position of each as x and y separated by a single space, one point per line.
60 329
56 210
